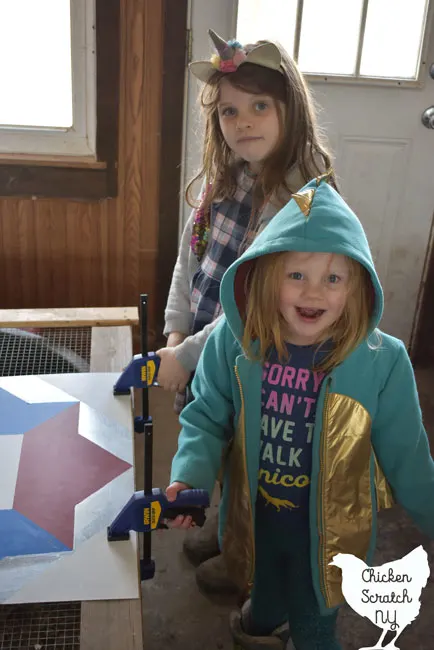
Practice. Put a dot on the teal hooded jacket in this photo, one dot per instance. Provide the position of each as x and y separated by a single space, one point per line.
369 446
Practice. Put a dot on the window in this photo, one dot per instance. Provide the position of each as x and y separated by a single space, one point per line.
48 77
376 40
59 114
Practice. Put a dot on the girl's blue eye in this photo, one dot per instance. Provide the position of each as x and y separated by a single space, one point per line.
229 111
333 278
261 106
296 275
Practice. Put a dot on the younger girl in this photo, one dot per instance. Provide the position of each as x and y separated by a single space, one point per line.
261 144
327 422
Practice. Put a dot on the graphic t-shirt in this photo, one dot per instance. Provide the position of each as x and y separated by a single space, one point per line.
289 395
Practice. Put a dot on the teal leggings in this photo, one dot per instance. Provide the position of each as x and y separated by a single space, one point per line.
283 590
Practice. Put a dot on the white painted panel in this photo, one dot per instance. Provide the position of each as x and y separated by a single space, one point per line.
35 390
10 449
97 570
93 513
378 205
105 433
96 390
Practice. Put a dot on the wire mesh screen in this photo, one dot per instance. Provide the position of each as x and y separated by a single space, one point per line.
40 627
41 351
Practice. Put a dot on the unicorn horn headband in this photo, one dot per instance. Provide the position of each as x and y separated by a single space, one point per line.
231 54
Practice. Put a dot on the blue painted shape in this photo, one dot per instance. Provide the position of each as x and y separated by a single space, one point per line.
20 536
17 416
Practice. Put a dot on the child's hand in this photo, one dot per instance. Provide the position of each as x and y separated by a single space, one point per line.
171 373
171 493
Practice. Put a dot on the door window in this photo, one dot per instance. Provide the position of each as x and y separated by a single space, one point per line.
381 41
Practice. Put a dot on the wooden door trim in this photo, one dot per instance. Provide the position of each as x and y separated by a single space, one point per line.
174 70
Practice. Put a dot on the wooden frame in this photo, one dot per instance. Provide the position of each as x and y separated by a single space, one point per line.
75 317
105 624
78 179
174 71
421 346
111 624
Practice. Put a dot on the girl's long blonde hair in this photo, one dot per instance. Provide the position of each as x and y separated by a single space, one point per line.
264 322
302 142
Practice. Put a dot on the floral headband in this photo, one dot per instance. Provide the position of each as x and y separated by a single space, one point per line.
231 54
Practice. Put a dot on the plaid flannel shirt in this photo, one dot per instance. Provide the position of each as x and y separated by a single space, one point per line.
228 238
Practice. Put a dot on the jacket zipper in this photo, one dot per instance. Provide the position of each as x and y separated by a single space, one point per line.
321 493
252 540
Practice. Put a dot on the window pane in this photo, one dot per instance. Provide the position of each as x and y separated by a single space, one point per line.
329 36
35 63
271 20
394 29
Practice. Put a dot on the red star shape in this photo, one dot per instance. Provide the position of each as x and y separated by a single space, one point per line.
58 469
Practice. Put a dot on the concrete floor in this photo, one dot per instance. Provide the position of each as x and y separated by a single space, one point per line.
178 616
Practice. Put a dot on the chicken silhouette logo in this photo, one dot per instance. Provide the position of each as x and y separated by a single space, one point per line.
389 595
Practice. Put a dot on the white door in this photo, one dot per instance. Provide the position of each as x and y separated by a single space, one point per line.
384 159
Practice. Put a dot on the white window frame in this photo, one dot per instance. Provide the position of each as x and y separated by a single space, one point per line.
357 78
80 139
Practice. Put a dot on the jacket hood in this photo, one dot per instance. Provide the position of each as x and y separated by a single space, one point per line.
315 220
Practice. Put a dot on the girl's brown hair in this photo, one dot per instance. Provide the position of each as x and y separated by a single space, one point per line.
302 142
262 295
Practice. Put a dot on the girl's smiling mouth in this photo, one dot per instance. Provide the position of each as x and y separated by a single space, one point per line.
309 314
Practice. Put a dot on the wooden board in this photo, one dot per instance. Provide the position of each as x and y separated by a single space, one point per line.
80 317
111 624
111 348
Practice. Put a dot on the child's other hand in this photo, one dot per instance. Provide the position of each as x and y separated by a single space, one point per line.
171 373
171 493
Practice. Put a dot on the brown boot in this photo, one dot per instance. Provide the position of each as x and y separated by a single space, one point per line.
213 578
201 544
239 622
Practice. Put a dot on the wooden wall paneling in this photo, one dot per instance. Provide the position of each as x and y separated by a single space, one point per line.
84 254
115 256
102 212
3 278
73 290
88 256
50 245
22 215
26 261
59 251
11 249
152 184
43 234
133 144
151 127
